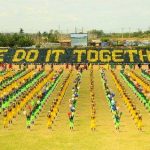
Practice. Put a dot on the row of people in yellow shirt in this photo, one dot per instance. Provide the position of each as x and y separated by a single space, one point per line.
7 74
16 92
93 103
16 84
54 108
132 75
136 115
41 97
16 108
141 77
141 87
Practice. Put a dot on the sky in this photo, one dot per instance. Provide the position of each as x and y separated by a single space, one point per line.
65 15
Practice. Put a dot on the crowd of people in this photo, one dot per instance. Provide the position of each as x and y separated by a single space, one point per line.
73 100
134 112
54 108
28 90
21 101
93 103
14 76
139 87
10 92
146 74
41 94
11 102
110 96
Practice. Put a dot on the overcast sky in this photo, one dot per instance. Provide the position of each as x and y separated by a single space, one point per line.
43 15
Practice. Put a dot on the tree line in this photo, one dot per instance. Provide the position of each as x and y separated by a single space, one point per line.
22 39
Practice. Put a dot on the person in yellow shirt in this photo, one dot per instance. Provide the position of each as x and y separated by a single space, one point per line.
49 120
14 110
140 122
93 123
5 120
52 114
10 115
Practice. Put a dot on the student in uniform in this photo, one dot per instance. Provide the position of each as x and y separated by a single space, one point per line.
10 115
28 122
71 120
93 123
5 121
49 122
140 122
117 117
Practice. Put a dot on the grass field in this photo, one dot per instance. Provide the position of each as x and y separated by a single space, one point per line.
18 137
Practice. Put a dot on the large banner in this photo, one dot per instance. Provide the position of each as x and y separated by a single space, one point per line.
100 56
